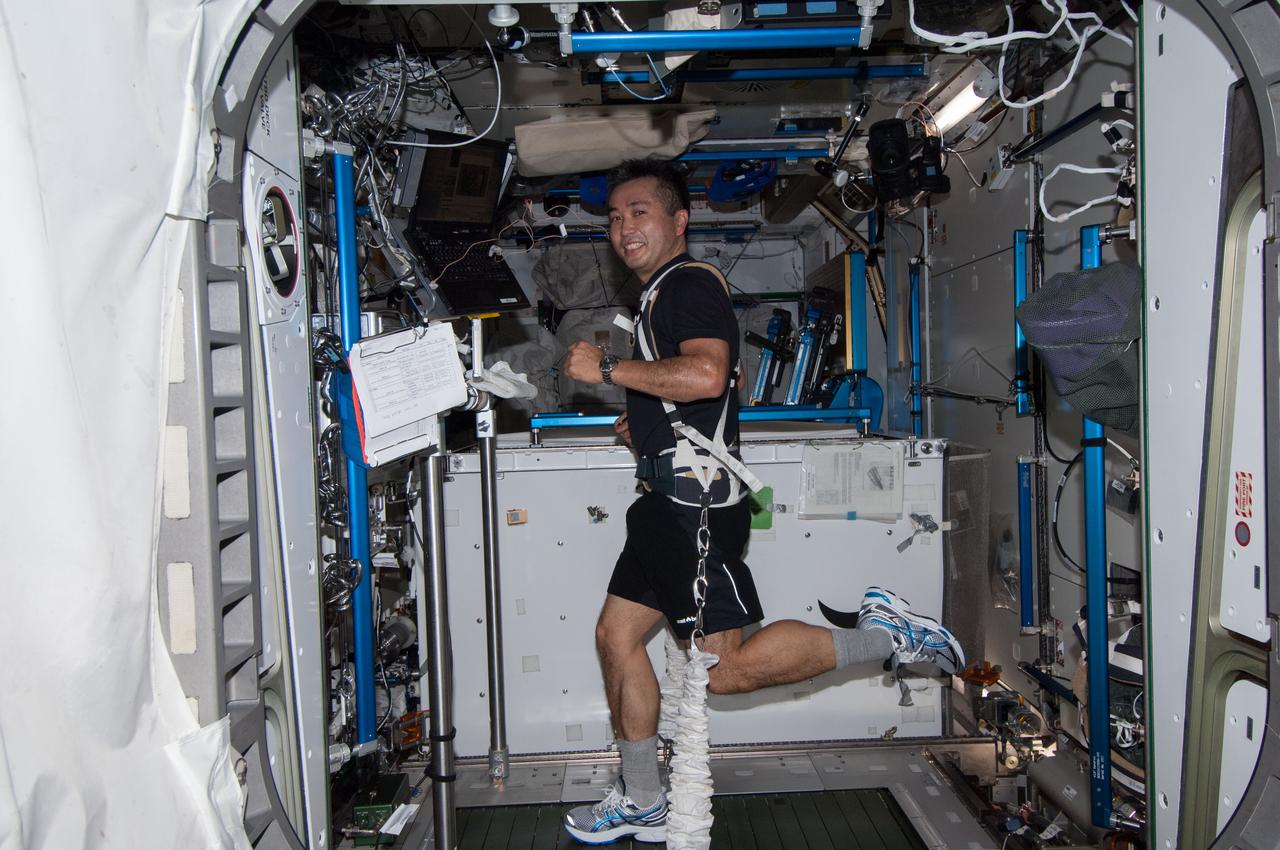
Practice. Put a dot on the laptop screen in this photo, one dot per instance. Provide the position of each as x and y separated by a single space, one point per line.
459 187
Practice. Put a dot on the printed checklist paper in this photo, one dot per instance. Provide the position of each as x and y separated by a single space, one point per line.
402 381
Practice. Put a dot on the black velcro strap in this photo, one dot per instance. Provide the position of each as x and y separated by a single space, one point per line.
448 736
1093 443
442 777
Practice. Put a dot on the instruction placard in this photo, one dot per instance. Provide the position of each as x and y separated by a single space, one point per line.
861 481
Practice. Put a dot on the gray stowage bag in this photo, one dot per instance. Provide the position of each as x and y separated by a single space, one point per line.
1085 325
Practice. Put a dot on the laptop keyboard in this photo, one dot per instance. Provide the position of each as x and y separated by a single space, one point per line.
449 257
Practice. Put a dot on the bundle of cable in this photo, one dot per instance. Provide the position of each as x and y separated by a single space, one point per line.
689 819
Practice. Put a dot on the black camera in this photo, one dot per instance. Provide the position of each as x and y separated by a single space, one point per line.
898 175
889 148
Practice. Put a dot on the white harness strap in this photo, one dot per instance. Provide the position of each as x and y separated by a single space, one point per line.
715 455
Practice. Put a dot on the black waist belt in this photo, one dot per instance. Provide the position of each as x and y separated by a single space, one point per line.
658 474
654 468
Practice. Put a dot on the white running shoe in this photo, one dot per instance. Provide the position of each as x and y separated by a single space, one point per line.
916 638
617 816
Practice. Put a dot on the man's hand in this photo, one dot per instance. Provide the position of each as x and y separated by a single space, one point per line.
583 363
622 427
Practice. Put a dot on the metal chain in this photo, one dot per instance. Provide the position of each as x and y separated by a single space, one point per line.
703 541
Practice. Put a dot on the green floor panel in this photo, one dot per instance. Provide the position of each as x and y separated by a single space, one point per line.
792 832
877 809
865 834
806 812
499 836
825 820
833 820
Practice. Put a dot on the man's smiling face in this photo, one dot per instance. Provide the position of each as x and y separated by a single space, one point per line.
643 230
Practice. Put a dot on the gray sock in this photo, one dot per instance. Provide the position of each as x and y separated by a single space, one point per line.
640 770
859 646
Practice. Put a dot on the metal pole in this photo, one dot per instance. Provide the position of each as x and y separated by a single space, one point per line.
485 434
439 658
1095 550
658 41
357 479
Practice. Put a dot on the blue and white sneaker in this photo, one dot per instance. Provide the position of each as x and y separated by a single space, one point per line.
916 638
617 816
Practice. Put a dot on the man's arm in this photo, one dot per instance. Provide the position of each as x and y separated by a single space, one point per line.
701 370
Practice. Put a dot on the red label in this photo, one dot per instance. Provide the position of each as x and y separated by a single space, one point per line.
1244 494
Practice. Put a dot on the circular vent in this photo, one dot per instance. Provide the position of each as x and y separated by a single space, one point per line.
279 234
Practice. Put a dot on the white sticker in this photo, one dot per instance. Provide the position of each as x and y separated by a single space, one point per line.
399 818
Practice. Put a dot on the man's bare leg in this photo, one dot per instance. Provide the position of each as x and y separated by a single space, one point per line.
782 652
629 681
632 690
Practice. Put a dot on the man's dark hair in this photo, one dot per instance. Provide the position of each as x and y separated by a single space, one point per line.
671 183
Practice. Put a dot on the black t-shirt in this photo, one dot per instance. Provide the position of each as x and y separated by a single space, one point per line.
691 304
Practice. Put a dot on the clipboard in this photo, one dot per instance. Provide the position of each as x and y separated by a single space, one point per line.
400 383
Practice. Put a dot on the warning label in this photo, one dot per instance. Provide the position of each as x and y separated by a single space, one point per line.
1244 494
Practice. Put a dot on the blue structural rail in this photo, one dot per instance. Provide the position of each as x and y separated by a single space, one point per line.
1023 406
1095 548
856 273
736 75
357 477
1021 353
756 153
1026 547
917 371
760 413
657 41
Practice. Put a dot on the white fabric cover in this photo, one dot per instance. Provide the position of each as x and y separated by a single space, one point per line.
671 687
596 327
576 143
576 277
104 155
689 819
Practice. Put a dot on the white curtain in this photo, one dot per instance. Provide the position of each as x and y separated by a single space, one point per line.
104 156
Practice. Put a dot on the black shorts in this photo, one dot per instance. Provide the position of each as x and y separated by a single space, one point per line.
660 561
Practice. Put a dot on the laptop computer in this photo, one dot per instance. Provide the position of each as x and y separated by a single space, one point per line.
452 220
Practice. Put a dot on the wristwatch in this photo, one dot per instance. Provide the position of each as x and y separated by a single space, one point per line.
606 367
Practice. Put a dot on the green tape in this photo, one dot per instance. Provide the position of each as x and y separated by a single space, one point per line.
761 505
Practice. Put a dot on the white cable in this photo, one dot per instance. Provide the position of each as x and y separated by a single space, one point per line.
617 78
972 179
1080 170
965 42
497 107
689 818
1129 11
1027 104
1133 461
